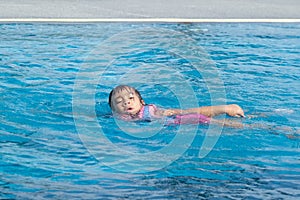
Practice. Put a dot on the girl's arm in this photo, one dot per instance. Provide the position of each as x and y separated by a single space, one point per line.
210 111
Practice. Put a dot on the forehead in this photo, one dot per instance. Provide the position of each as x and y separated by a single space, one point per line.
123 91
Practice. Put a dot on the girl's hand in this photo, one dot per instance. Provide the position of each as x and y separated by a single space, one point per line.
234 110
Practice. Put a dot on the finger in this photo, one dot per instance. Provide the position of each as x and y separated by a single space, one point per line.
240 115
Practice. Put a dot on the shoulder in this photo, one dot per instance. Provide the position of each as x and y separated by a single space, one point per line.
155 111
152 107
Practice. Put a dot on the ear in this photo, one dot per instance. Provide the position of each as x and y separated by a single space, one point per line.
142 102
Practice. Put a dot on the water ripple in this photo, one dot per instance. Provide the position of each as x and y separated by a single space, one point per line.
43 156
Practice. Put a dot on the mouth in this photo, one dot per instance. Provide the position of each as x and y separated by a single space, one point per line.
129 109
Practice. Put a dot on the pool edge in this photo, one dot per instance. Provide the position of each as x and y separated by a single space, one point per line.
144 20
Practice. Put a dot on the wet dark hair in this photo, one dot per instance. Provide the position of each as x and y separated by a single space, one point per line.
120 88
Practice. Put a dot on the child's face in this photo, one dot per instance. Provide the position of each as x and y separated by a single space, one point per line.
126 102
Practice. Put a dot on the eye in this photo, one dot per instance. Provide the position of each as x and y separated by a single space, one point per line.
131 96
118 101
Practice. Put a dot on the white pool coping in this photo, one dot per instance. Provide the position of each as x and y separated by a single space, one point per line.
150 11
146 20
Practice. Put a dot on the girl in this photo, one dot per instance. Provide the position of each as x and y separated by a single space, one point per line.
127 104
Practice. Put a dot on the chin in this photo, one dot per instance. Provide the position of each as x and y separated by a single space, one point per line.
132 112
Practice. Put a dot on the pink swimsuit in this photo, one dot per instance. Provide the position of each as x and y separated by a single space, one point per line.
193 118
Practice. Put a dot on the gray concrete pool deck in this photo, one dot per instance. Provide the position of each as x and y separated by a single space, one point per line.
149 10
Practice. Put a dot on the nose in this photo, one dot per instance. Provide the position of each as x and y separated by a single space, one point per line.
127 102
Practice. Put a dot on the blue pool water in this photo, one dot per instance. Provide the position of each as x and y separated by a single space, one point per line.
54 84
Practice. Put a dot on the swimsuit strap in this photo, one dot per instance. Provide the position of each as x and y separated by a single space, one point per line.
146 114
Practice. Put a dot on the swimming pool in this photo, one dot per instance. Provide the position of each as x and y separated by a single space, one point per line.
45 67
